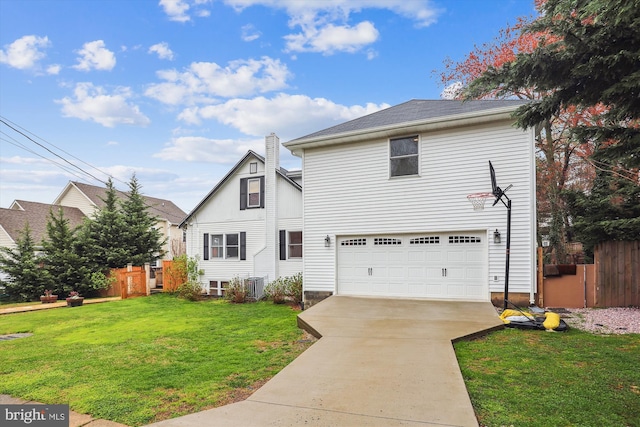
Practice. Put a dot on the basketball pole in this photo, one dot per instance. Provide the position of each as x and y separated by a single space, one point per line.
508 251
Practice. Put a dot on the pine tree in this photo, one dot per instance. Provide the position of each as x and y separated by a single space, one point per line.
66 268
142 240
27 279
100 239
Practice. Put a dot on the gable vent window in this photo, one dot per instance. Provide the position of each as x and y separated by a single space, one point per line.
353 242
432 240
464 239
386 241
403 156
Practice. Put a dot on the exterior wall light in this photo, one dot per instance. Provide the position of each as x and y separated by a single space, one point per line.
496 236
327 241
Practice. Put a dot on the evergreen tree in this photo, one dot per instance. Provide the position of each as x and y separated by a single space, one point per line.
66 268
27 279
142 241
591 57
588 61
100 240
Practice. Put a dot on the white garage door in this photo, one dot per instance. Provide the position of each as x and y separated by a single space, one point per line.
440 266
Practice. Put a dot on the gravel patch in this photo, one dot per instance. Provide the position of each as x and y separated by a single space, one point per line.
605 320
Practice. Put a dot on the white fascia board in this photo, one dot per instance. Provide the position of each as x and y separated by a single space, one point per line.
418 126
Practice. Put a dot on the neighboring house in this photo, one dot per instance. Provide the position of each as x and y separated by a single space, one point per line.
89 198
250 223
385 203
21 212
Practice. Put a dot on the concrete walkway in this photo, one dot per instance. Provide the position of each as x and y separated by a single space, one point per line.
380 362
36 306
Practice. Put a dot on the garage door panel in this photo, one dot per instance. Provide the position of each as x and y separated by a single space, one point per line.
442 265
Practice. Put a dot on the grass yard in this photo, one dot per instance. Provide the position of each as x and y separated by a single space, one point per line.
535 378
142 360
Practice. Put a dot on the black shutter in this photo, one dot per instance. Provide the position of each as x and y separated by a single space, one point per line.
283 244
262 191
205 249
243 245
243 194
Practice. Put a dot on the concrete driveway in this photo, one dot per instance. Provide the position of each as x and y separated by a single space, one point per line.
380 362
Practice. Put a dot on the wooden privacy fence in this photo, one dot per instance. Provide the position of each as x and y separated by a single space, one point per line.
613 281
174 274
617 274
130 282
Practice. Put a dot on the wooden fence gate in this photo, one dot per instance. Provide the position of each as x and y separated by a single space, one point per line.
617 274
131 281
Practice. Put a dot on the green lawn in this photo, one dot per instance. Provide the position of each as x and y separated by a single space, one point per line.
535 378
146 359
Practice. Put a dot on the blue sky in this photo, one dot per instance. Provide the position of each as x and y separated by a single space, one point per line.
176 91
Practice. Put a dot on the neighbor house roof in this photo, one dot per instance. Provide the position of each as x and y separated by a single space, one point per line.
411 113
37 215
282 172
161 208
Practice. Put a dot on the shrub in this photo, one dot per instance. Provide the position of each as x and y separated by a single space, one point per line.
237 290
294 288
190 290
276 290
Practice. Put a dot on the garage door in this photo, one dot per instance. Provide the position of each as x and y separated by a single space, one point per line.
439 266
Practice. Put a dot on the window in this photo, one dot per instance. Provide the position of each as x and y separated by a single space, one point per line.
464 239
252 193
253 167
386 241
354 242
232 245
295 244
403 156
217 248
425 240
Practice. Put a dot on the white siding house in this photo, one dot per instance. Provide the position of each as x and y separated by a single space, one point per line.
250 223
385 203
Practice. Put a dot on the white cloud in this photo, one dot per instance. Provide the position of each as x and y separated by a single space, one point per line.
207 150
25 52
288 116
54 69
204 80
178 10
94 55
325 25
93 103
250 33
333 38
162 50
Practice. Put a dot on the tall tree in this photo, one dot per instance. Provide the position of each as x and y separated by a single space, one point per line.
100 237
27 279
141 239
559 157
588 61
66 269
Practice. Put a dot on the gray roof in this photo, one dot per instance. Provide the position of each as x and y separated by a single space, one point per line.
37 215
412 111
161 208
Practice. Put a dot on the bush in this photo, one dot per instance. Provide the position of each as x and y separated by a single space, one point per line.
190 290
294 288
276 290
237 291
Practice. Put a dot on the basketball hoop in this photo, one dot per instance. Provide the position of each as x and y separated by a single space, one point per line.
478 199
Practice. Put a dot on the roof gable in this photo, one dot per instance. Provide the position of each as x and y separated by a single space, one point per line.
161 208
282 172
